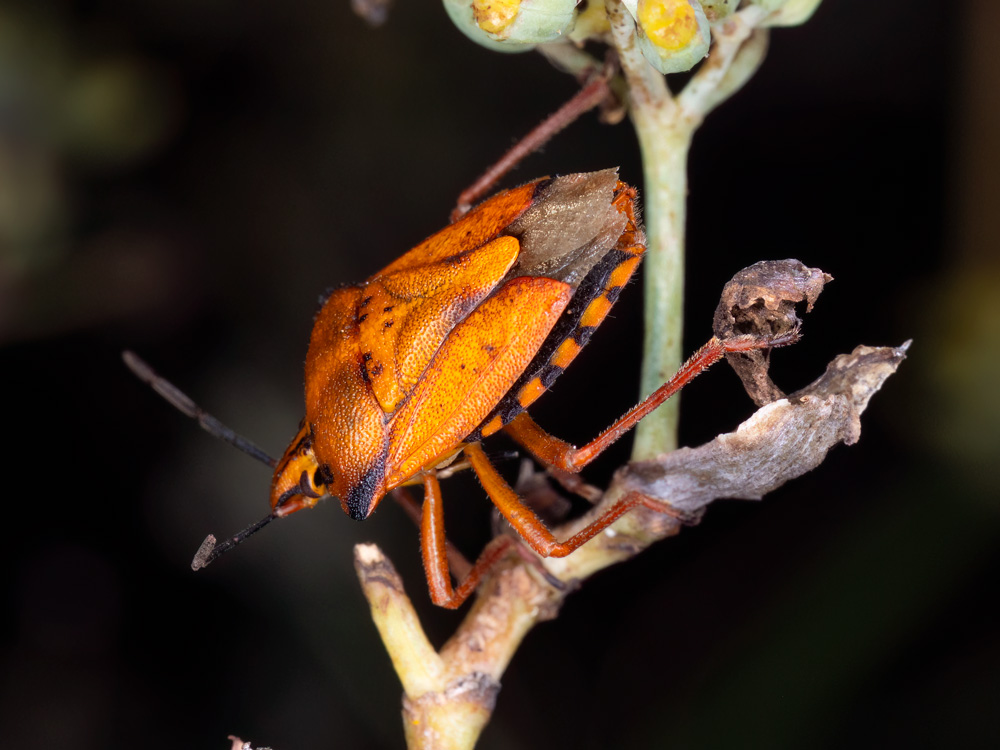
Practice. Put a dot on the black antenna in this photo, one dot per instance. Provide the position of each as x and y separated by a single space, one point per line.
185 405
209 550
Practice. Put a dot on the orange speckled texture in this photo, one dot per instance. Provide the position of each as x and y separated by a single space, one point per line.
475 367
480 225
402 368
346 419
407 314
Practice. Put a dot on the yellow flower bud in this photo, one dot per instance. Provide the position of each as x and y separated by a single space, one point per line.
673 34
512 25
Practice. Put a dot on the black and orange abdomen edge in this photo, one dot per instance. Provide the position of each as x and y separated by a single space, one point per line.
587 309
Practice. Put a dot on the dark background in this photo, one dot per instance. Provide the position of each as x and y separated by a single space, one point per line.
185 177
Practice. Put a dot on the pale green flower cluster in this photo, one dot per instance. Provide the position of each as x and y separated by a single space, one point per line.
673 35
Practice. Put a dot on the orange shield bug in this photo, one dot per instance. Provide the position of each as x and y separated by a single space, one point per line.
451 341
450 344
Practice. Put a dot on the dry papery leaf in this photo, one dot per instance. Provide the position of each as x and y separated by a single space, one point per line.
781 441
784 439
761 300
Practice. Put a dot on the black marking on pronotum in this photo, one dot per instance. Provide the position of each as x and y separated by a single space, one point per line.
365 301
359 499
369 372
388 323
593 286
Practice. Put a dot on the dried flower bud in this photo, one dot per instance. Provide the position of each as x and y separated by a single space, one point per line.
512 25
673 34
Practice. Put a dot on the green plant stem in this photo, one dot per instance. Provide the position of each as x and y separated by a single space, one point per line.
665 140
664 133
449 695
665 126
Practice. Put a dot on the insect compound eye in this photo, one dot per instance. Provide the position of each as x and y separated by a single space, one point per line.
307 487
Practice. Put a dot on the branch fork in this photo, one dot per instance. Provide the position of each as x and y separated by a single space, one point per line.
449 694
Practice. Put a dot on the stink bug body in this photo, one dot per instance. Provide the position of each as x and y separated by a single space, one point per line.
450 344
451 341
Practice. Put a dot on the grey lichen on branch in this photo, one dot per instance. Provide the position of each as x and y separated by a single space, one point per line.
449 694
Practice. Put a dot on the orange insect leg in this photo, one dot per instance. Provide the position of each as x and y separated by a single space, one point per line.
434 549
531 528
559 454
594 93
434 545
457 562
563 456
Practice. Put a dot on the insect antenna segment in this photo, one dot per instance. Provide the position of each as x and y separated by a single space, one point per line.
209 550
185 405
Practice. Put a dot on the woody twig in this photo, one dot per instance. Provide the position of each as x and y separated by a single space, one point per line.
449 694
